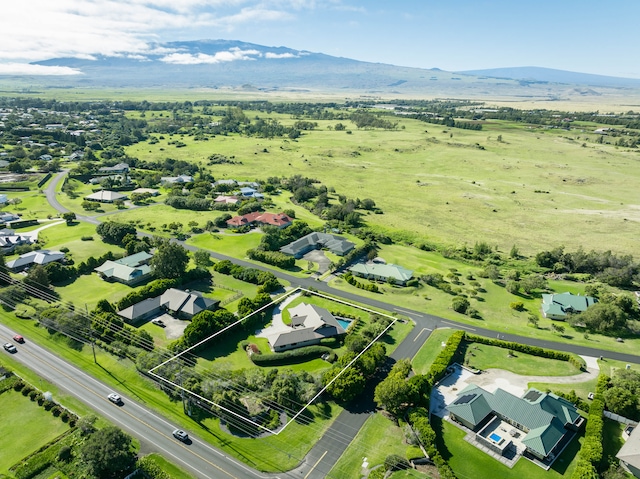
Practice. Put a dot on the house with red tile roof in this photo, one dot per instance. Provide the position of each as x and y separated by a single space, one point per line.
273 219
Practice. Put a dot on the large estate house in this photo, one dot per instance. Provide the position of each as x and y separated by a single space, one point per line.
181 304
105 196
538 425
559 306
129 270
316 240
39 257
279 220
309 325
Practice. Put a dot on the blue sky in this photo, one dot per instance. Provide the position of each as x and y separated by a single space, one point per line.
579 35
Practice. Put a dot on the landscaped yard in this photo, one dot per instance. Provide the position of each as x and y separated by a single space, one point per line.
26 427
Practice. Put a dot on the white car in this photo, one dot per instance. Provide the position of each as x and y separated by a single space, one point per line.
10 348
114 398
180 434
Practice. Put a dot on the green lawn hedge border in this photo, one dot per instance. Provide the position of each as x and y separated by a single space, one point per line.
293 356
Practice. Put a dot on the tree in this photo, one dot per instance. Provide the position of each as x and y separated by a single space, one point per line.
460 304
532 282
202 259
108 453
170 260
602 318
38 277
69 217
114 232
621 401
395 394
347 386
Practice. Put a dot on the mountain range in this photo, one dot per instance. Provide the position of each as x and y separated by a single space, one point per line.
245 66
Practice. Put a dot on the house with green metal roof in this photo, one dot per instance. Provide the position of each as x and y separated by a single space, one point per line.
559 306
540 424
382 272
129 270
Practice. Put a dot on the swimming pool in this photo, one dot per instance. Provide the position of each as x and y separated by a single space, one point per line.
344 323
494 437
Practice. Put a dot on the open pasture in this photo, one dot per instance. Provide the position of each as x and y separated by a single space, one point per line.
534 187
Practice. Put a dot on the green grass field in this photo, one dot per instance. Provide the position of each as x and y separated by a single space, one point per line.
26 427
171 469
483 356
422 361
438 184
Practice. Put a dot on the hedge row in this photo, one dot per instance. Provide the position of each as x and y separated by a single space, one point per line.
44 457
525 348
349 278
274 258
419 420
591 451
443 360
292 356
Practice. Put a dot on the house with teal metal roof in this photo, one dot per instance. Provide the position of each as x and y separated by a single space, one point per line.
543 422
382 272
129 270
559 306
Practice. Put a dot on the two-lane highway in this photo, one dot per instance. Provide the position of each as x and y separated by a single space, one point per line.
153 430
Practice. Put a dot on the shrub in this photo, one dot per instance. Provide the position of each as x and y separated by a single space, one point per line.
18 385
460 304
517 305
291 356
64 454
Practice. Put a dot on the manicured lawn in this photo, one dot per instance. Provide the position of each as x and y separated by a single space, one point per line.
378 438
89 289
482 356
25 427
171 469
235 245
422 361
33 205
468 461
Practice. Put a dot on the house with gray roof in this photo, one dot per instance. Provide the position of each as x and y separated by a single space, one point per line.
41 257
309 325
382 272
316 240
543 423
559 306
105 196
629 454
119 169
181 179
181 304
9 239
129 270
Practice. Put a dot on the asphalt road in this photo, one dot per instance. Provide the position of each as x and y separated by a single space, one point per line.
153 430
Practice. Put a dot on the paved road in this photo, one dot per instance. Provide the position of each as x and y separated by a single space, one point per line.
153 430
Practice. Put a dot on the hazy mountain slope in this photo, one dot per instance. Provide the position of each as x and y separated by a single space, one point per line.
538 74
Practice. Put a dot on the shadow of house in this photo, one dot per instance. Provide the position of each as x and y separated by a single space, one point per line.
178 303
129 270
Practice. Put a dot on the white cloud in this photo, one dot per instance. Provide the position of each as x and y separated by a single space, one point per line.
35 30
280 55
234 54
28 69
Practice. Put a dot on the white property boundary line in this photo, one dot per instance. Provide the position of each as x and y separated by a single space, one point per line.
273 303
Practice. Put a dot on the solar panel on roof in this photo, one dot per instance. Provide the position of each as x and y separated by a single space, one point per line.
532 396
465 399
